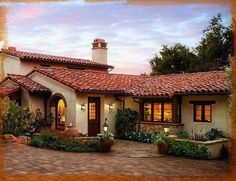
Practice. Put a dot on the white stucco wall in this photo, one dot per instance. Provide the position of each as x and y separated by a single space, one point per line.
10 64
220 114
82 116
57 87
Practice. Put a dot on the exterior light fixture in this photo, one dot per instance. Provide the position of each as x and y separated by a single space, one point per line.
166 129
111 107
83 107
105 126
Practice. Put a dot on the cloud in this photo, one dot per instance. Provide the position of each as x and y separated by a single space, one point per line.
134 32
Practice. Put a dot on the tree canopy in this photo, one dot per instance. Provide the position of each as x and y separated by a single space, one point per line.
213 52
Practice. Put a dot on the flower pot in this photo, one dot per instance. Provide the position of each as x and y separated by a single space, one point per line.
104 147
163 148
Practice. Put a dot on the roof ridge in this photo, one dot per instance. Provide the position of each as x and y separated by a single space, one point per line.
27 54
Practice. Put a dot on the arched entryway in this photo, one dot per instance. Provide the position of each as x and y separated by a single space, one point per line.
58 111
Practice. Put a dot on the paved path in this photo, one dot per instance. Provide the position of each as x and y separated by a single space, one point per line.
130 158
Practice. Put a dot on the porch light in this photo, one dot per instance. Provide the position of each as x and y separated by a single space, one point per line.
105 126
83 107
111 107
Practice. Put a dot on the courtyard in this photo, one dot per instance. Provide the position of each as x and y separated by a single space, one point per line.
127 158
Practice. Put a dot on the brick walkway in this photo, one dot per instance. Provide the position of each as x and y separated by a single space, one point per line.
129 158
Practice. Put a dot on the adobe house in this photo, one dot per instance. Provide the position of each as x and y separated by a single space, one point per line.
83 93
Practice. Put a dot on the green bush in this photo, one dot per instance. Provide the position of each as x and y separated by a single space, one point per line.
52 140
188 149
125 121
139 136
40 121
37 141
182 134
214 133
19 120
11 123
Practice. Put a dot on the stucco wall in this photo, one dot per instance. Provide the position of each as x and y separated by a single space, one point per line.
11 65
220 114
129 103
57 87
36 102
82 116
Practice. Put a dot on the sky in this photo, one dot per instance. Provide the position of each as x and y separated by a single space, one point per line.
134 32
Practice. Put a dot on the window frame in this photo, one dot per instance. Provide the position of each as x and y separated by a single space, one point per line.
203 104
162 111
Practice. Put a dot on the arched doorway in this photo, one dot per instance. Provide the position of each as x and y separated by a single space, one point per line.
58 111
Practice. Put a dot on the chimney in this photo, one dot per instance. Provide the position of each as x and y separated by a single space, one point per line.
99 51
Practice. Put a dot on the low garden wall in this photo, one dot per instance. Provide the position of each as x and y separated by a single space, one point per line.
157 127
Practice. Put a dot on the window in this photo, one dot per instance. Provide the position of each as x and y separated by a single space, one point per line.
157 111
147 111
202 110
92 111
61 112
167 112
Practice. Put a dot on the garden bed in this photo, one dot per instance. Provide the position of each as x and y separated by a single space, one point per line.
214 147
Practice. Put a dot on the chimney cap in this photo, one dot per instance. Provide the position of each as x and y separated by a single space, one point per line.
12 49
99 40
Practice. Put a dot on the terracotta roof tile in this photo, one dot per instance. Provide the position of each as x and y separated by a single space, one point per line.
51 58
5 91
28 83
135 85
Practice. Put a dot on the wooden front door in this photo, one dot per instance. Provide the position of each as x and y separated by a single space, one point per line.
93 116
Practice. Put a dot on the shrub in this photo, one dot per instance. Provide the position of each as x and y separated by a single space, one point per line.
19 120
139 136
198 136
188 149
37 141
125 121
11 123
40 121
214 133
182 134
53 140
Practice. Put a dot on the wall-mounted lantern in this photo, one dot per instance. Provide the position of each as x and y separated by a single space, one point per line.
105 126
111 106
83 107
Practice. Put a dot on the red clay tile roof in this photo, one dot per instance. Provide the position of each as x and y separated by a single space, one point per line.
5 91
27 83
50 58
135 85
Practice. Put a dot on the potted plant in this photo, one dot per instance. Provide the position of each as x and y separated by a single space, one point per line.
105 142
162 142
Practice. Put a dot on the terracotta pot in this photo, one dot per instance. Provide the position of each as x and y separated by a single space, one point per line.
163 148
104 147
71 132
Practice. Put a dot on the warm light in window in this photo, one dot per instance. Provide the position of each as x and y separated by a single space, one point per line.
147 111
167 112
92 110
61 111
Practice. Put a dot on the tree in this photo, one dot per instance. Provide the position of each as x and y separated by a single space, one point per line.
213 52
176 59
216 46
